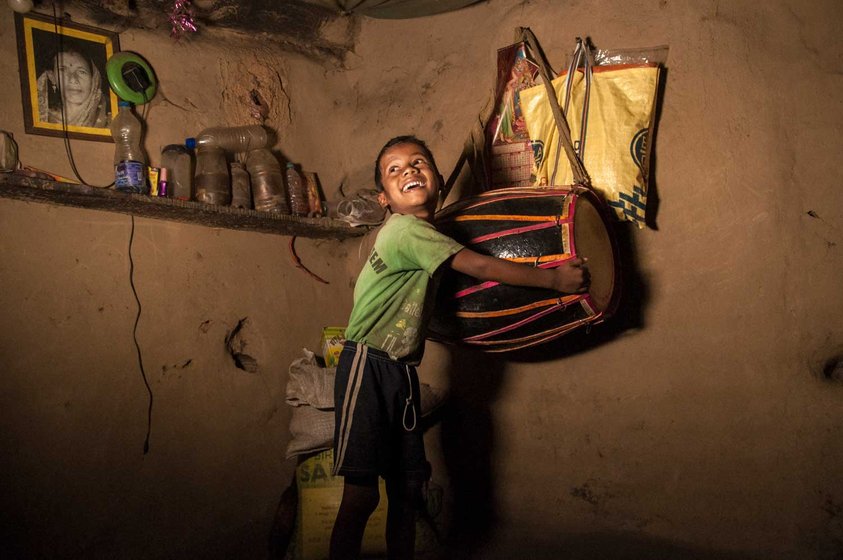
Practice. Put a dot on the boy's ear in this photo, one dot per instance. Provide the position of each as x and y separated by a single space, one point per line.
382 200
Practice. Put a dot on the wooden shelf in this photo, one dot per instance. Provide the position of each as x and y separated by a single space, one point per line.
22 187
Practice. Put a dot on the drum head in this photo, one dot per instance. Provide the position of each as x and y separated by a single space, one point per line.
591 240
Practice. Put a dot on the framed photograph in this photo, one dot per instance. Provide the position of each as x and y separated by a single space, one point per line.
64 87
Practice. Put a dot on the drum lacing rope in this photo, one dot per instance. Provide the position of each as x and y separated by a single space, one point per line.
408 403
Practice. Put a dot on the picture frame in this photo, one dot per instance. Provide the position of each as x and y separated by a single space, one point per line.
64 87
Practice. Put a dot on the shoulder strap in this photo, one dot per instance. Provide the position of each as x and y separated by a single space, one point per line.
580 175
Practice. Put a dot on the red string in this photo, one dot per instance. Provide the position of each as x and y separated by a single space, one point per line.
299 264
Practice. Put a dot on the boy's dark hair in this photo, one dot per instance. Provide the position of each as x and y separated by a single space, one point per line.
408 139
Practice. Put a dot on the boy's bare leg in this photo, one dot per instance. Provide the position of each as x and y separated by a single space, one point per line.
359 499
401 518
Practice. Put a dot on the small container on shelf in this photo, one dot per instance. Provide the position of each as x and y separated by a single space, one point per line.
314 199
178 162
296 191
241 187
213 184
268 191
163 184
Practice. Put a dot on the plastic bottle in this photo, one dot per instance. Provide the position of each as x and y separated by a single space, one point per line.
241 187
268 190
296 192
233 138
178 162
129 158
212 182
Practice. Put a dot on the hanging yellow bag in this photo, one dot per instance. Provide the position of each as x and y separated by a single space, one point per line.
608 99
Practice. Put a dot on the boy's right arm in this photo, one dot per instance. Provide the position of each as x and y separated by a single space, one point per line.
571 277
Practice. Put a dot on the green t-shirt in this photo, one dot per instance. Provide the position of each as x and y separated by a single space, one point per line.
394 292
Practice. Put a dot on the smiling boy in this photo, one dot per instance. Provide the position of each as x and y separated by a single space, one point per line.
377 389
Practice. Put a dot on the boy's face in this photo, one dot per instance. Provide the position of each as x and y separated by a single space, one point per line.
410 181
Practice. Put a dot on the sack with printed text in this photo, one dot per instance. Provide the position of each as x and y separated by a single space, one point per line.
608 99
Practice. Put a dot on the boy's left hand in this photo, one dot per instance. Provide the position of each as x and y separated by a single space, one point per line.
572 277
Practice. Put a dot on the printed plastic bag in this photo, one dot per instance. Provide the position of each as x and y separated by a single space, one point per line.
360 210
510 155
609 108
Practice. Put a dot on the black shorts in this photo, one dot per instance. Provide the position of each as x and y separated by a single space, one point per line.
378 421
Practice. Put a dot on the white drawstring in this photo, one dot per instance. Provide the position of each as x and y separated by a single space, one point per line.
408 403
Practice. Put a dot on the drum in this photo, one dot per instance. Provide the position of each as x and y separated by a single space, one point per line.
541 227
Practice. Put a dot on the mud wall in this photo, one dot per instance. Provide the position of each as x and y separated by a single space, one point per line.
702 422
75 405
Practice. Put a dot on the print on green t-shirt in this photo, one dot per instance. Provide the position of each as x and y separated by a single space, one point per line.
394 289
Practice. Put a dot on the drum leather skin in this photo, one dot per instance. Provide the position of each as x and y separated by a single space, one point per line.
538 226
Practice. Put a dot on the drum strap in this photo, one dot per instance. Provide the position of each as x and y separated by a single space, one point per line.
580 174
473 156
582 56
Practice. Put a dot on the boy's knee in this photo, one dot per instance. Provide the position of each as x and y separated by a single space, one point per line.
361 495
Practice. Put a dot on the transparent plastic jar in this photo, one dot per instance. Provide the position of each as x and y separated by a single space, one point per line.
268 192
178 162
212 182
241 186
296 192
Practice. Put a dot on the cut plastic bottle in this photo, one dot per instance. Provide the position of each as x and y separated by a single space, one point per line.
231 139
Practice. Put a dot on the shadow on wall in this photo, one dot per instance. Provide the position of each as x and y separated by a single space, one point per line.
469 434
651 213
468 438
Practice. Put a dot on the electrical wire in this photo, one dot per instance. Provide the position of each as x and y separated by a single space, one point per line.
135 338
69 152
76 173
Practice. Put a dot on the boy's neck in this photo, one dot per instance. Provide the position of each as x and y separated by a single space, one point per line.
421 215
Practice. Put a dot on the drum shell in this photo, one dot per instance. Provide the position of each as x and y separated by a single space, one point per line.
540 227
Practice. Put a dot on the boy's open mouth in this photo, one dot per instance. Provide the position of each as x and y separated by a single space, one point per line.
414 184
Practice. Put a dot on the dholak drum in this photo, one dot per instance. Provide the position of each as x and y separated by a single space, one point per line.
540 227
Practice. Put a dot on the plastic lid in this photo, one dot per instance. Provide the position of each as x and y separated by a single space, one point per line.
190 143
122 103
291 165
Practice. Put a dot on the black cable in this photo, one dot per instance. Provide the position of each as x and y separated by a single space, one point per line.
69 152
135 337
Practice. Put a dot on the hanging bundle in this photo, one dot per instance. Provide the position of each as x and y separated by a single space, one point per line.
543 227
609 102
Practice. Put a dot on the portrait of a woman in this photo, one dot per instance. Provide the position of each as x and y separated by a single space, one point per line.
64 87
71 90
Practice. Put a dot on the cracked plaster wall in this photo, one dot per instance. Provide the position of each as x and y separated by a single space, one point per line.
702 427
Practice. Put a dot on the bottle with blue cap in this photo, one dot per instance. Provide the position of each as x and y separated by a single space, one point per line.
130 172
